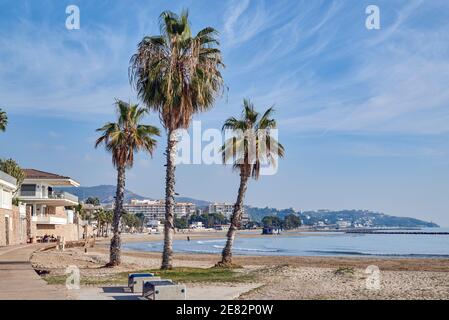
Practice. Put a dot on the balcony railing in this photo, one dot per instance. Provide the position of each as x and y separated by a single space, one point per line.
46 219
63 195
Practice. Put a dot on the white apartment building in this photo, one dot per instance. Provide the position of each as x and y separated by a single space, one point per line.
7 214
227 209
155 209
224 208
50 210
7 188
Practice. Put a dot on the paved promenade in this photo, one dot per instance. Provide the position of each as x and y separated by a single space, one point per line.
18 280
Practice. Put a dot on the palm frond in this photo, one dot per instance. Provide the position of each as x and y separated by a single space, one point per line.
175 74
252 144
127 136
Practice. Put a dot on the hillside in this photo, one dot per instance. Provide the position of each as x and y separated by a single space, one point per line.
106 194
360 218
365 218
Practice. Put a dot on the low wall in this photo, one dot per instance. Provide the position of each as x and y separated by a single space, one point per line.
16 232
70 232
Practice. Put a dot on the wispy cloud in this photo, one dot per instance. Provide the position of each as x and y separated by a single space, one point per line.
394 84
56 71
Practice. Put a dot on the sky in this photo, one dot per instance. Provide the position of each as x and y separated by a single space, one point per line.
363 114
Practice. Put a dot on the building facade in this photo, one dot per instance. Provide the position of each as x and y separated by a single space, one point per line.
224 208
227 209
12 218
154 210
51 212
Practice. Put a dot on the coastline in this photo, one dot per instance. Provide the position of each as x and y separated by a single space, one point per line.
268 277
385 263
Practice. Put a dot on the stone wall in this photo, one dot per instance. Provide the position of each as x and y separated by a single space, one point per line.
3 212
16 232
17 229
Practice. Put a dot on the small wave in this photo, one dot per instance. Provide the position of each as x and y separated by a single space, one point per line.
358 253
210 241
251 249
199 251
258 250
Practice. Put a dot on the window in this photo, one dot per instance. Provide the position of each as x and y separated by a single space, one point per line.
28 190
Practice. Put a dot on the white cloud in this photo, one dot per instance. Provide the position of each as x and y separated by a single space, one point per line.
56 71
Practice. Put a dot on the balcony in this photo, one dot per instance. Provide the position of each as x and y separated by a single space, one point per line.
54 198
45 219
63 195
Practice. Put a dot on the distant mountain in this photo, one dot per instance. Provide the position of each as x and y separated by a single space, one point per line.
360 218
106 194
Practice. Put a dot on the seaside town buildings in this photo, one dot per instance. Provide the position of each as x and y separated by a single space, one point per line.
154 210
43 209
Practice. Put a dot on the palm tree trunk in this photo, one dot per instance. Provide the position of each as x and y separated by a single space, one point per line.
167 254
226 258
115 251
28 223
98 228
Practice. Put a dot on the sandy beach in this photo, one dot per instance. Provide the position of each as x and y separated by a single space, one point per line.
267 277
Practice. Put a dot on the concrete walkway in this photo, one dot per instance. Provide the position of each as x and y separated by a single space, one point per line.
18 280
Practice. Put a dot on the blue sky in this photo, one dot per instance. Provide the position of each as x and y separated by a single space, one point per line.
363 114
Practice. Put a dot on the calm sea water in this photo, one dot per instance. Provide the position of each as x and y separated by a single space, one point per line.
319 244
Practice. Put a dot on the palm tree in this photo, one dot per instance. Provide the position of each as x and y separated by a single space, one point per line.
3 120
109 218
100 216
177 75
123 138
251 147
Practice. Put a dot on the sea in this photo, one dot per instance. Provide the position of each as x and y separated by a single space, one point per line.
319 244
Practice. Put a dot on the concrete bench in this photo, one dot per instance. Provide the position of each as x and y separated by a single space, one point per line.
136 280
163 290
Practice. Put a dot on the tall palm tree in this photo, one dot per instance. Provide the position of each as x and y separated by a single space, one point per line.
250 147
177 75
123 138
3 120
